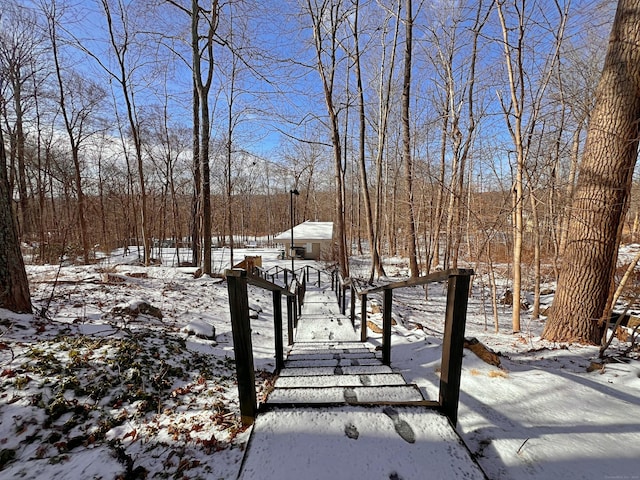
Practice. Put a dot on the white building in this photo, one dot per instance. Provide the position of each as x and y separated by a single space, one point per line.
311 240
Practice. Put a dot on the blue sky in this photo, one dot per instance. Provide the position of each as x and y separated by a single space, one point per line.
280 90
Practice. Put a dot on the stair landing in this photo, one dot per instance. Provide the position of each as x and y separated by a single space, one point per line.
351 442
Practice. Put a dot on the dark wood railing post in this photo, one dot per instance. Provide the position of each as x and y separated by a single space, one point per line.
299 300
241 329
386 326
277 330
453 345
352 292
319 285
290 314
343 303
303 291
363 317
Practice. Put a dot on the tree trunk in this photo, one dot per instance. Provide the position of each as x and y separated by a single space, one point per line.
25 216
406 143
324 22
516 88
14 286
604 184
196 243
384 102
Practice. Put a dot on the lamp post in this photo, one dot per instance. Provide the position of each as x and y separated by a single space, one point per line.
291 250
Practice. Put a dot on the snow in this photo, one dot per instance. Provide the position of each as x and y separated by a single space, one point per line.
434 453
200 328
308 231
87 394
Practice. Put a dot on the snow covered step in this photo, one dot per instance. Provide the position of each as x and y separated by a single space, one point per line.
324 329
365 369
332 362
329 354
342 370
320 309
348 395
348 442
340 380
324 319
296 372
333 346
320 296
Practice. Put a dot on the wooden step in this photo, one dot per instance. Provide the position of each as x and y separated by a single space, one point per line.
329 354
331 362
340 380
301 346
346 370
409 443
349 395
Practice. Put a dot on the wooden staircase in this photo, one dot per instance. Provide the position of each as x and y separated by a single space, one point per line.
328 366
337 411
338 373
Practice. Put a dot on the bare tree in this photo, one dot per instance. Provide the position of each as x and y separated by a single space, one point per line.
121 40
385 81
326 17
362 123
20 46
78 98
522 113
406 140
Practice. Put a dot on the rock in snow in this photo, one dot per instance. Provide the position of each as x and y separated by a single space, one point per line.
200 329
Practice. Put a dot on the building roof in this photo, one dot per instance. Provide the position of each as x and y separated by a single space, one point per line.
308 231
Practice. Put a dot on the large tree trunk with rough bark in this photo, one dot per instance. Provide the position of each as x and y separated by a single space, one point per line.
14 287
602 192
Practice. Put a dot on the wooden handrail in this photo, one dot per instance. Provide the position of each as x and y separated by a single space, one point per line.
267 285
434 277
458 282
237 281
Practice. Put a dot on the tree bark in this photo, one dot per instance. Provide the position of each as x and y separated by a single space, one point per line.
603 188
406 142
14 286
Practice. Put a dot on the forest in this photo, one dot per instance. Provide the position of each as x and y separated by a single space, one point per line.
445 132
144 143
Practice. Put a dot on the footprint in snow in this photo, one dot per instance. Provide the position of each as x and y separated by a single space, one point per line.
402 427
350 395
351 431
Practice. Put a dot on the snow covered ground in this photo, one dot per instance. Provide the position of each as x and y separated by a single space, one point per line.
119 376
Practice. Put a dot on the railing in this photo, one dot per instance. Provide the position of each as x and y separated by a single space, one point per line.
274 273
458 282
237 281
